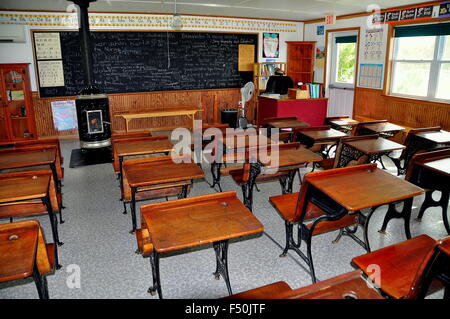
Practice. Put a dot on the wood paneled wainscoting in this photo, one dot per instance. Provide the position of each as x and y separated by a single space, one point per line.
373 104
210 101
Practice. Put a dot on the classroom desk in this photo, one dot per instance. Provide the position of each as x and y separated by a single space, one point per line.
180 224
23 253
288 160
309 138
343 124
373 149
30 158
188 111
15 190
364 186
285 125
234 150
432 172
385 129
147 175
142 147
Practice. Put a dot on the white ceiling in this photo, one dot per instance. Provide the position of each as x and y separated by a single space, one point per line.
269 9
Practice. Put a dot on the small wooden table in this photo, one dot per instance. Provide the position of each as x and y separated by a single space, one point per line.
289 160
30 158
385 129
142 147
285 123
180 224
309 138
364 186
28 188
343 124
237 145
373 148
144 175
23 253
188 111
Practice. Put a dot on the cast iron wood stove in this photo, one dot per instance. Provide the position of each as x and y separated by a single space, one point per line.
92 104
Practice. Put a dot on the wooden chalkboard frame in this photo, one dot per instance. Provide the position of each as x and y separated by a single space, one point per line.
33 31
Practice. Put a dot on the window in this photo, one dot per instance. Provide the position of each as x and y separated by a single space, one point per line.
344 61
421 63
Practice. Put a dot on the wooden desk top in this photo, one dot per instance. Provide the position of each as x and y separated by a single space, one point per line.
27 158
24 188
143 147
320 135
181 110
437 137
383 127
375 145
153 173
286 123
195 221
246 141
441 165
292 157
17 256
344 122
362 186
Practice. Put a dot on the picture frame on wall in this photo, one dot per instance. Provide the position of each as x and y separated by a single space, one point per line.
271 45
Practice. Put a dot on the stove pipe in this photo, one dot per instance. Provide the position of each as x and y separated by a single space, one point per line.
92 104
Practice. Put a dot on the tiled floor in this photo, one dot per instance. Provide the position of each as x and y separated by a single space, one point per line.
97 242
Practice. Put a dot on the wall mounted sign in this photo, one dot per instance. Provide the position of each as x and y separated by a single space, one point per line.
330 19
320 30
444 10
407 14
370 76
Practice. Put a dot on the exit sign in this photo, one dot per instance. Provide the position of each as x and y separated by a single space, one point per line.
330 19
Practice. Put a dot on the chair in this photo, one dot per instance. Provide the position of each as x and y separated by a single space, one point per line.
152 192
24 253
407 269
310 219
431 184
346 286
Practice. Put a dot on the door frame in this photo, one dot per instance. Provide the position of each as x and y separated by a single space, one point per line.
327 59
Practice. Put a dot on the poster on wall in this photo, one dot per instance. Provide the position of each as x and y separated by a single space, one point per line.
64 115
51 73
444 10
47 45
320 57
370 75
271 45
373 45
407 14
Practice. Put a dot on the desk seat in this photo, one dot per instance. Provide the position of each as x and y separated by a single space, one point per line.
286 206
144 242
398 264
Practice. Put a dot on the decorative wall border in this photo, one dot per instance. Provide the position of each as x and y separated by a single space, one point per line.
114 21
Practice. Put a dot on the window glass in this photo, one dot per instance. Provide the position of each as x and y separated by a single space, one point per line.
446 50
411 78
346 58
443 89
415 48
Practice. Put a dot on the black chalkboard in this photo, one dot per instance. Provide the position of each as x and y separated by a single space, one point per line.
130 61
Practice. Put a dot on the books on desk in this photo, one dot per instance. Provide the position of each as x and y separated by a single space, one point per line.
315 90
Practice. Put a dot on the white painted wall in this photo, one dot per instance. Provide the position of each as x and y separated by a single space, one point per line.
23 52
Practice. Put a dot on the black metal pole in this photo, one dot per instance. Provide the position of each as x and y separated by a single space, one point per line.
86 51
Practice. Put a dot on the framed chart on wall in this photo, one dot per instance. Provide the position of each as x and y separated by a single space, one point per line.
370 76
271 45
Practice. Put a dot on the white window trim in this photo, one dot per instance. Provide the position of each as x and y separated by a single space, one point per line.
434 73
333 82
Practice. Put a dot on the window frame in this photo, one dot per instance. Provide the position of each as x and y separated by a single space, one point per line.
334 61
435 68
